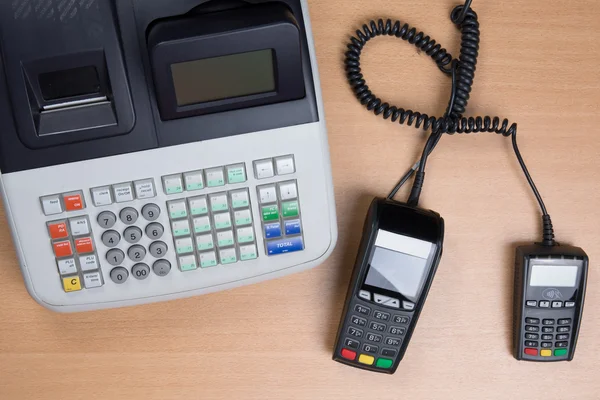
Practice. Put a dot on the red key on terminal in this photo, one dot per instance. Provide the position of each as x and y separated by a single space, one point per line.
58 230
62 249
73 202
531 352
348 354
84 245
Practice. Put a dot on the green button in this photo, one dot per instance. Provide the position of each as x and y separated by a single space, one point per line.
199 210
225 242
174 189
208 263
185 249
228 260
205 246
290 209
194 186
246 239
270 213
248 256
236 174
178 214
223 225
188 267
219 206
240 203
243 220
560 352
181 232
216 182
384 363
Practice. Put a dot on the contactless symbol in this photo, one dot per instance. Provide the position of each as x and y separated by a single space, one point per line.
552 294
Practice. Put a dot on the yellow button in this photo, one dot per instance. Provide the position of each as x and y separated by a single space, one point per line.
365 359
546 353
71 284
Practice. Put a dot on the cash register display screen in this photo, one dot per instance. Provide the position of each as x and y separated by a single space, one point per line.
399 264
224 77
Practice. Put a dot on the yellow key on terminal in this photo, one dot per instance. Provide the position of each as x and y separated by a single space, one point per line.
71 283
365 359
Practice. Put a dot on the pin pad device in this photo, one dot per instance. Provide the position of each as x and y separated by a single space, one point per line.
157 150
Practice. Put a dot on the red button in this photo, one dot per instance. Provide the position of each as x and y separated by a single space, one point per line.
531 352
84 245
58 230
62 249
349 354
73 202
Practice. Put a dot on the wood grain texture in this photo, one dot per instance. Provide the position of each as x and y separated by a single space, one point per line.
538 66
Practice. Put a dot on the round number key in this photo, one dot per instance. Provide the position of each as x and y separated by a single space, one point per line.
155 230
133 234
107 219
140 271
119 275
136 253
128 215
111 238
115 257
161 267
158 249
151 212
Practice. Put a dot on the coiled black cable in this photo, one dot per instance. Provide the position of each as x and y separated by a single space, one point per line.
462 71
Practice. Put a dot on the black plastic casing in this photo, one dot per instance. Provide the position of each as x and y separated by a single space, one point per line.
401 219
526 257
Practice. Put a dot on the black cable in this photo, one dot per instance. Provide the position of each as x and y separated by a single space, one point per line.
462 71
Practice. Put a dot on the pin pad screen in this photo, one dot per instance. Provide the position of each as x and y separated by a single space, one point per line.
224 77
399 264
553 275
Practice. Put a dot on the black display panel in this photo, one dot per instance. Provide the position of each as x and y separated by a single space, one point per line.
70 83
223 77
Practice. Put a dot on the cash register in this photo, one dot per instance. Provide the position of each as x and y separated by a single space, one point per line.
153 150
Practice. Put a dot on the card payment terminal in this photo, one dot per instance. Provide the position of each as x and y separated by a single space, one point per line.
152 150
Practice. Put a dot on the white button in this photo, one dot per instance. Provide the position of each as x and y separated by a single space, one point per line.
267 194
79 226
187 263
236 173
228 256
215 177
184 245
239 198
204 242
92 280
181 228
569 304
198 205
208 259
193 180
218 202
201 224
67 267
248 252
242 217
285 165
407 305
123 192
51 205
245 235
363 294
225 238
222 220
88 263
386 301
556 304
172 184
263 169
101 196
177 209
145 189
288 190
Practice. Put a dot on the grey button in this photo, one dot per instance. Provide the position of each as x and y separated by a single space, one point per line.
136 253
115 257
107 219
546 345
158 249
161 267
397 330
111 238
140 271
535 336
369 348
569 304
386 301
155 230
531 303
364 294
133 234
544 337
151 212
359 321
407 305
119 275
544 304
557 304
377 326
393 341
128 215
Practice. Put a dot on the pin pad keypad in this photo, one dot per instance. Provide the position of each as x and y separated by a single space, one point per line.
372 336
207 229
548 337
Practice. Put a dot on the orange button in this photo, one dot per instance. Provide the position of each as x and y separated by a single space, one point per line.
58 230
73 202
62 249
84 245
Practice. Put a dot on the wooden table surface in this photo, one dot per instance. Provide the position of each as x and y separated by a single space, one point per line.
538 66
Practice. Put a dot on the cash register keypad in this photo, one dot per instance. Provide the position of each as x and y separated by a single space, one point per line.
208 229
